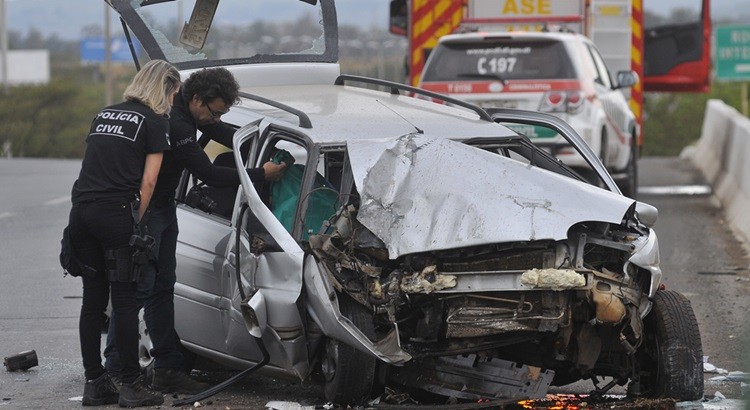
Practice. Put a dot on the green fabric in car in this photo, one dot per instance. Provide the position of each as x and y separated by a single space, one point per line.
322 203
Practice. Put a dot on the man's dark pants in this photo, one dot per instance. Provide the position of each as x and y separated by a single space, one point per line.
155 293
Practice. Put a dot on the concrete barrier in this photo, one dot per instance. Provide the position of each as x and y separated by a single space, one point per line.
722 154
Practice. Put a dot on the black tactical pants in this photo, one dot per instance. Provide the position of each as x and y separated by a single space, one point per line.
95 227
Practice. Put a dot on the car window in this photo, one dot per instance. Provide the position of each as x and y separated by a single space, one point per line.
666 13
521 149
603 76
324 199
281 28
320 200
502 58
216 202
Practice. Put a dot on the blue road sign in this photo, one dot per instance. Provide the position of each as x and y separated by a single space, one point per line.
92 50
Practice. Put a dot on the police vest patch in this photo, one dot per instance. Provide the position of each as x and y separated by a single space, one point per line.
118 123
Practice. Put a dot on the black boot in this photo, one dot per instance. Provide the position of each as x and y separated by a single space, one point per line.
175 381
138 394
100 391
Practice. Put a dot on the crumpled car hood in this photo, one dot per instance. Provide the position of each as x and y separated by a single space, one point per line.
420 194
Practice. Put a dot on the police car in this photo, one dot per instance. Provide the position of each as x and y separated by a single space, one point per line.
558 73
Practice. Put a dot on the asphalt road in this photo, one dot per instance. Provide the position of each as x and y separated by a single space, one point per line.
39 307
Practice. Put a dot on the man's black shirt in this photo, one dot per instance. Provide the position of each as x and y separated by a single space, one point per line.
187 153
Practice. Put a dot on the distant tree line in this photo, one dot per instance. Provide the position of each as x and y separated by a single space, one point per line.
52 120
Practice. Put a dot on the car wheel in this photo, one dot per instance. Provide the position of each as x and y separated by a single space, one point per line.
349 373
671 358
629 186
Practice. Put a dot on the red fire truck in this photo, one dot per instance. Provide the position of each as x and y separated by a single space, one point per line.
667 43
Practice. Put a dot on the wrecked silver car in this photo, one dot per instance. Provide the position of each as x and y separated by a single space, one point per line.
410 243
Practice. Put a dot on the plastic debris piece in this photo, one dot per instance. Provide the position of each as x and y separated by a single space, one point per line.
709 368
21 361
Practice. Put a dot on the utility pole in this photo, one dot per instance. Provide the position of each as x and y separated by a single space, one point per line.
179 21
107 58
4 46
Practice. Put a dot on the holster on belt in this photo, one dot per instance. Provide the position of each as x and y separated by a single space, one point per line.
119 265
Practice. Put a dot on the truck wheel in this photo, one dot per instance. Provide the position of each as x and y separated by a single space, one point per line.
629 186
349 373
671 357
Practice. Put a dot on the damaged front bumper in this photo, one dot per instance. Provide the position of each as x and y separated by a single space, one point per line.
485 319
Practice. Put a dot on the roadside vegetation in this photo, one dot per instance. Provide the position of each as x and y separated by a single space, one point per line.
52 120
672 121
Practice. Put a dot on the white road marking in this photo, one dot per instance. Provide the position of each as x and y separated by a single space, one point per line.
5 215
675 190
57 201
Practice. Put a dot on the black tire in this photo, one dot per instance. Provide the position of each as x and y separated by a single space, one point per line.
629 186
671 358
349 373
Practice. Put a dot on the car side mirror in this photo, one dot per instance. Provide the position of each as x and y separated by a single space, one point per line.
626 79
647 214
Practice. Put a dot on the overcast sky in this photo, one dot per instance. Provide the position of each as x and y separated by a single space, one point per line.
66 18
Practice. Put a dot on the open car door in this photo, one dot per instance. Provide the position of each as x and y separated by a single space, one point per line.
677 46
268 267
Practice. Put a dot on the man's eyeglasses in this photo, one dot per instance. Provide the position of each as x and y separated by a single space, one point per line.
215 114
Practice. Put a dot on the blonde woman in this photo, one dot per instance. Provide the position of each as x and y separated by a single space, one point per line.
124 150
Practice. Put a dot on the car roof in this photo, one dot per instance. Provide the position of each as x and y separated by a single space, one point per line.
526 35
339 113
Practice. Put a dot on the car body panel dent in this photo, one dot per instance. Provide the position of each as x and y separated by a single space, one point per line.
500 200
646 256
323 307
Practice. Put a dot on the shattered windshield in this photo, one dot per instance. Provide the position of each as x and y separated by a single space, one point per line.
201 33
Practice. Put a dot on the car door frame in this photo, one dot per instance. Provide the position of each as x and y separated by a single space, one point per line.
275 272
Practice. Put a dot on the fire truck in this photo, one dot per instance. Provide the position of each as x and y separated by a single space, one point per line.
666 54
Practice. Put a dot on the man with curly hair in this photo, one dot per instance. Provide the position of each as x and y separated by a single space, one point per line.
205 96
